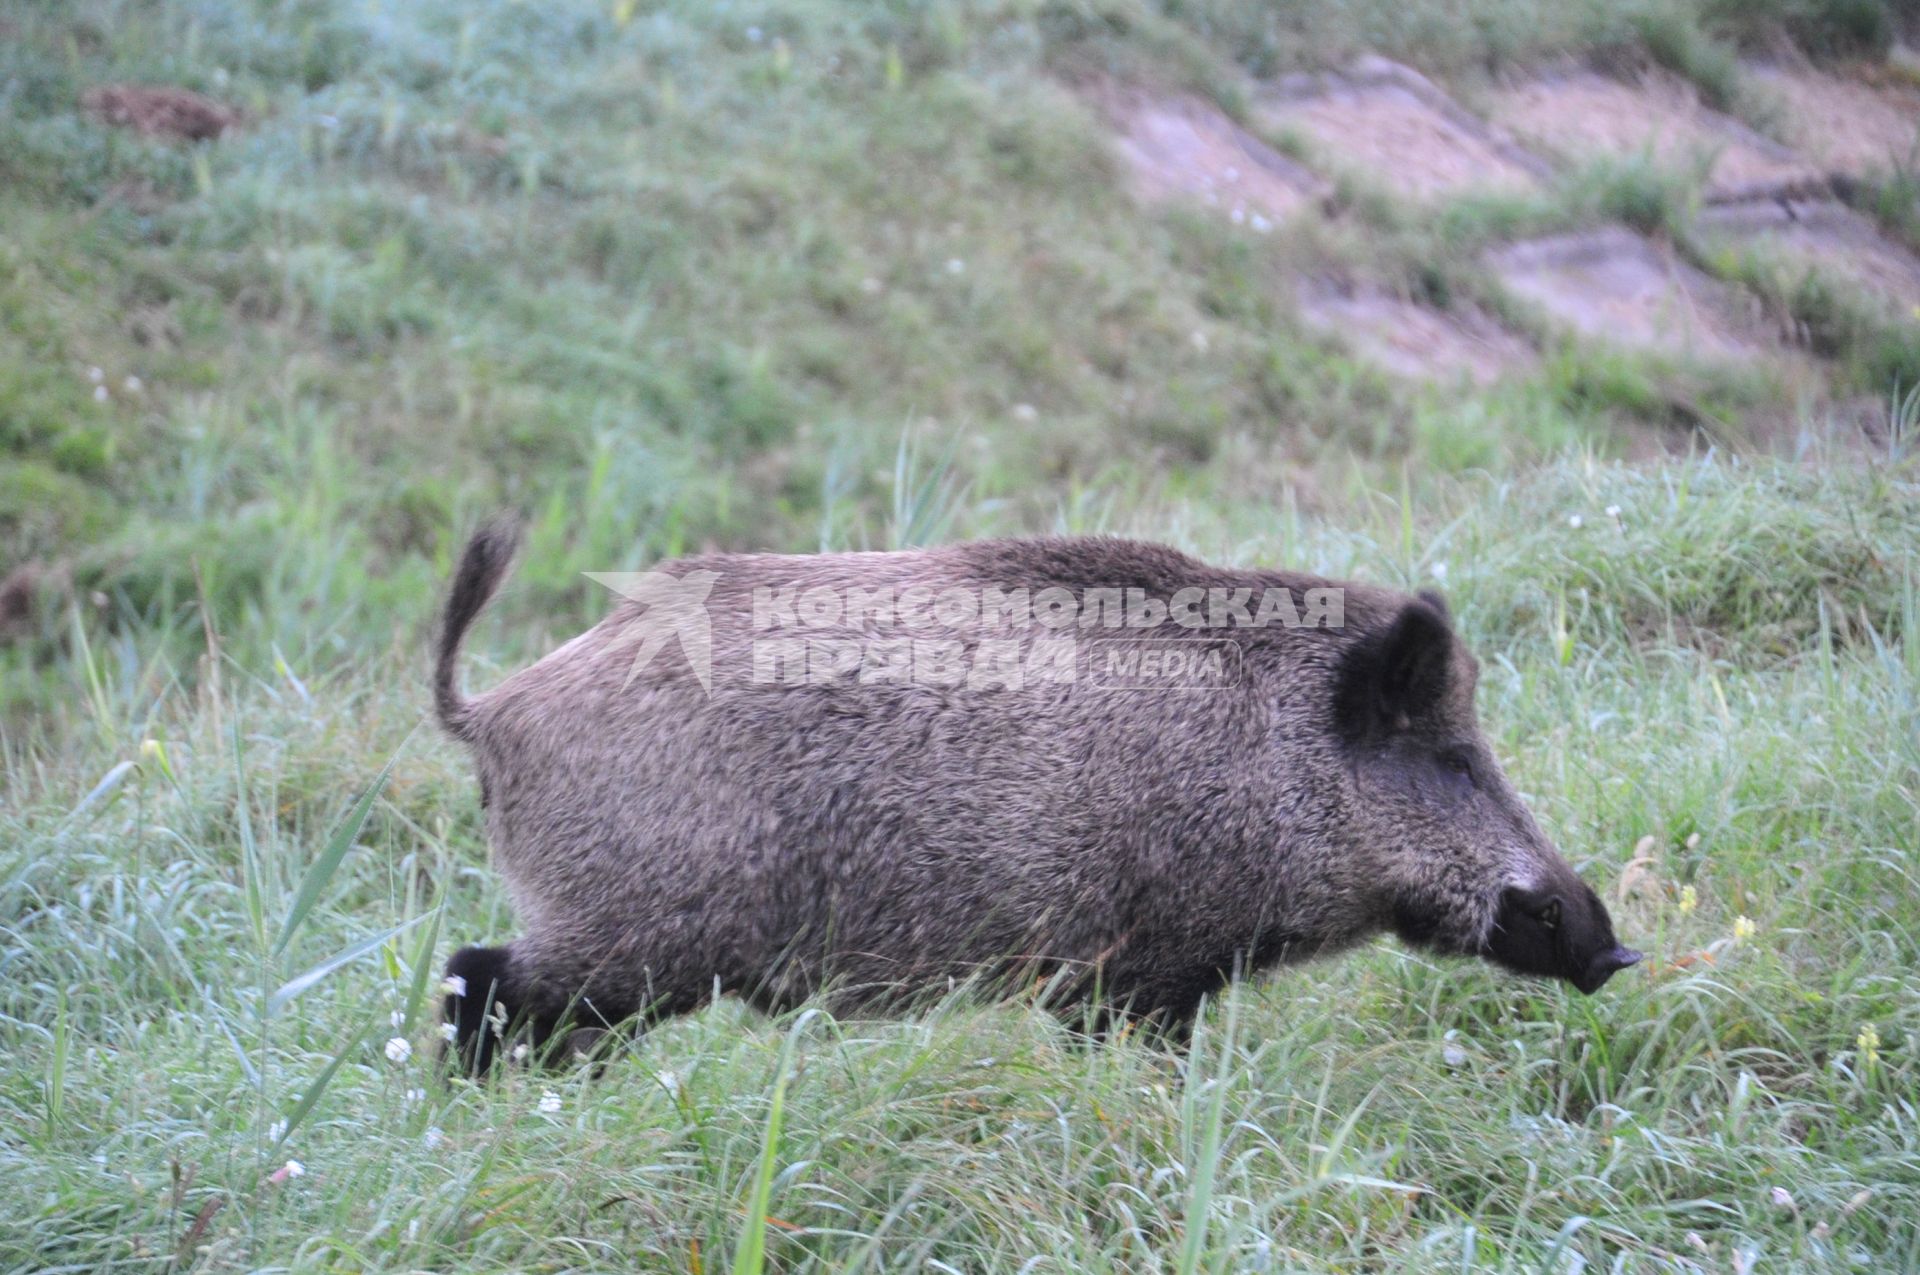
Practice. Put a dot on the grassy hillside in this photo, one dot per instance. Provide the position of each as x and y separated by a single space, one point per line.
809 273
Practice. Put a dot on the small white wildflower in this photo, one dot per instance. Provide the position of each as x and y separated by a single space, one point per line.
1781 1197
433 1137
520 1051
132 385
399 1049
1260 224
549 1102
1613 511
415 1097
955 265
449 1032
454 985
100 394
1576 521
396 1018
670 1082
1438 571
1025 412
1454 1056
95 375
294 1169
276 1131
1238 216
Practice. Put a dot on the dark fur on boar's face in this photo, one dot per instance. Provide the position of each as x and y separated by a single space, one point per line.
760 781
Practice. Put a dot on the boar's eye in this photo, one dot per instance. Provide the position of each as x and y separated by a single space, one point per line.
1457 765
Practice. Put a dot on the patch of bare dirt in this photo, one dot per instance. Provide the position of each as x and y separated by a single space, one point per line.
160 110
1825 235
1582 115
1856 125
1612 285
1184 147
1396 126
1416 341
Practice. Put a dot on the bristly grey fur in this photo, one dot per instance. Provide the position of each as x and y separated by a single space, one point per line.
874 842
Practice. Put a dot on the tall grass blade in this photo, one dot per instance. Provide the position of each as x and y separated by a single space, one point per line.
1207 1159
750 1257
108 782
294 986
304 1108
422 971
330 856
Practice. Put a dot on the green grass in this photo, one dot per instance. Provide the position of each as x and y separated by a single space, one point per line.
671 275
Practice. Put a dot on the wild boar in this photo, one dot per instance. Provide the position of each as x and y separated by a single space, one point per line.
1091 762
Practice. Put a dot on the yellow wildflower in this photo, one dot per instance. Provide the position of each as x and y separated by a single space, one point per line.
1868 1042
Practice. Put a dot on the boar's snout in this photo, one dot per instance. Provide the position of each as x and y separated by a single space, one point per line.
1558 932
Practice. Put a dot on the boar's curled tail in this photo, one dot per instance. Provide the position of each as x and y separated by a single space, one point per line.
483 565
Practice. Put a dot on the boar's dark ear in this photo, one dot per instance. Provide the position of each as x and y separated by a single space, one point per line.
1393 676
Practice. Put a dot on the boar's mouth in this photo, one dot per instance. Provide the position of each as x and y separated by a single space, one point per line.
1564 934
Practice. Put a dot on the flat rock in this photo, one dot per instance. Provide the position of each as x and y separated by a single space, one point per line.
1826 236
1583 115
1615 286
1185 147
1400 130
1847 124
1413 340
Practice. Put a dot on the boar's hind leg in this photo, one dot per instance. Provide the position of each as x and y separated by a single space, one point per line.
1159 1011
488 1005
500 998
1162 1009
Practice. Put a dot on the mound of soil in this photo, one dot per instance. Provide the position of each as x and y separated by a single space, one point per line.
1828 236
1184 147
1416 341
1584 115
159 110
1847 125
1400 130
1612 285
